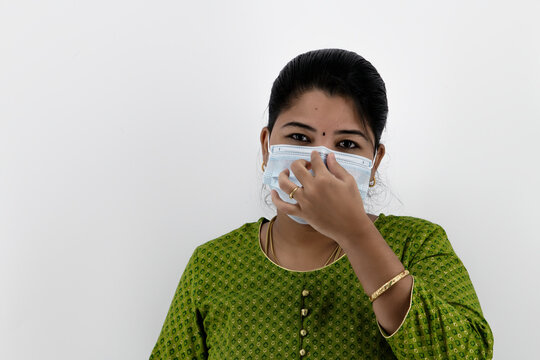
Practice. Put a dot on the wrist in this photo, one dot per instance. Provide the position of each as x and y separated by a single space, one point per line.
359 229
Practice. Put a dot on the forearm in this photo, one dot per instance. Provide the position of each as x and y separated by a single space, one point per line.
374 263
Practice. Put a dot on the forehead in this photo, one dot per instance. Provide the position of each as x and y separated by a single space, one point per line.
323 112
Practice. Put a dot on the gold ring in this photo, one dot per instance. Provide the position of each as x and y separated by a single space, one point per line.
291 195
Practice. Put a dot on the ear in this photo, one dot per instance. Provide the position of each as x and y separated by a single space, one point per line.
265 138
381 150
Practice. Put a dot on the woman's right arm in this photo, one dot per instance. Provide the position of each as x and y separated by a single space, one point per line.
182 335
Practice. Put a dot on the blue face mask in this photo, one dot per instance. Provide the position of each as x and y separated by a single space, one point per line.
281 156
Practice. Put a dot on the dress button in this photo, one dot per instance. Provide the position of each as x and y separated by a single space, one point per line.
302 352
305 292
303 332
304 312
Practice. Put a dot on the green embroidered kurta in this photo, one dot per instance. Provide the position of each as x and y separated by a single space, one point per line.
233 302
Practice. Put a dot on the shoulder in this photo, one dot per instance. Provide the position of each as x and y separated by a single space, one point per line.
233 241
407 225
411 236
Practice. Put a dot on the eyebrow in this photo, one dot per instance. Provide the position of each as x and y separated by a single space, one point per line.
337 132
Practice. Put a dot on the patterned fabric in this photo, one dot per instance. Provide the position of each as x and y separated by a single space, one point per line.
233 302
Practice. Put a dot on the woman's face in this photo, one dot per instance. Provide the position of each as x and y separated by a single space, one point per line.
319 119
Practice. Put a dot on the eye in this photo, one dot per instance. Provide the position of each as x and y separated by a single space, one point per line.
349 142
297 138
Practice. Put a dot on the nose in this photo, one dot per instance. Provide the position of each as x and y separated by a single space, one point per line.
326 142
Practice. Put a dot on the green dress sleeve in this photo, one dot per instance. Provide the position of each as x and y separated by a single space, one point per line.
444 319
182 335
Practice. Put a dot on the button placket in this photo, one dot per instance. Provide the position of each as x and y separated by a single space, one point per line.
304 311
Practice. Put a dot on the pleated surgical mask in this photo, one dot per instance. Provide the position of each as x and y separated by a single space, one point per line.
282 155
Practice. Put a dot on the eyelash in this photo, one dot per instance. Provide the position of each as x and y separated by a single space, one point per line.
355 144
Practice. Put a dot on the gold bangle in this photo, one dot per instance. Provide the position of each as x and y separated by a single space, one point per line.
388 285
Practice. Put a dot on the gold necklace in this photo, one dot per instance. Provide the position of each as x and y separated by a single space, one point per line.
270 241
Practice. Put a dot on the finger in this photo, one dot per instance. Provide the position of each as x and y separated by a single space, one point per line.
335 168
300 169
283 206
317 163
287 185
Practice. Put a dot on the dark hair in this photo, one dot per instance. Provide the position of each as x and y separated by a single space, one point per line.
336 72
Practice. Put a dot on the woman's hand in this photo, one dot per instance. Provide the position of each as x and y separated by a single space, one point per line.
329 200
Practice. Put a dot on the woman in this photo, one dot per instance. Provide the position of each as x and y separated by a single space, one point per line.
323 279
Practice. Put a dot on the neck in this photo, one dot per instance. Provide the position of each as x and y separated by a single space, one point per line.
299 240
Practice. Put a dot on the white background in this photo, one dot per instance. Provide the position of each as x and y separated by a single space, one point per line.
129 134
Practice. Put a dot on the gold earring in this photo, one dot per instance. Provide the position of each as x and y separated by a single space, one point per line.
372 183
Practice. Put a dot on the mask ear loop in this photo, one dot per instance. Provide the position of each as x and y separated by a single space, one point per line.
373 161
371 167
